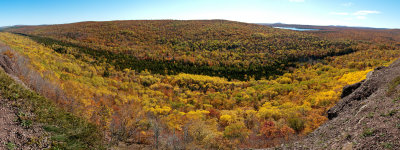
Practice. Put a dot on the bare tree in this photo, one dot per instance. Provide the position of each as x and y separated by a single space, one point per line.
156 130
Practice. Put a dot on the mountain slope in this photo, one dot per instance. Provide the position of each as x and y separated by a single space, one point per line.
186 110
20 133
136 107
366 118
30 121
222 48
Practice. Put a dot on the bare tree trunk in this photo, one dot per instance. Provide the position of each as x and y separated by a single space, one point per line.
156 129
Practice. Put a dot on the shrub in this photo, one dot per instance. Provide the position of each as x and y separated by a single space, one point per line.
393 85
296 123
225 120
9 54
368 132
271 131
284 80
236 130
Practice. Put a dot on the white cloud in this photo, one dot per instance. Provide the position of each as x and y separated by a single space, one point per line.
361 17
339 13
348 18
296 1
366 12
362 14
348 4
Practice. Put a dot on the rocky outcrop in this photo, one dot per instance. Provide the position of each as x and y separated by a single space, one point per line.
8 65
362 90
347 90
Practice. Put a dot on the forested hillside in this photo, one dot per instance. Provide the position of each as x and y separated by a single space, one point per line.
30 121
172 84
222 48
367 38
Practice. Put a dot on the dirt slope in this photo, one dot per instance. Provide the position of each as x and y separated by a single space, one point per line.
367 116
16 129
15 134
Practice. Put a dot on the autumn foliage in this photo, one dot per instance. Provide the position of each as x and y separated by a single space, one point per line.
180 110
270 130
222 48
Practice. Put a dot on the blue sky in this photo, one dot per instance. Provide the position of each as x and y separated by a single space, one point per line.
369 13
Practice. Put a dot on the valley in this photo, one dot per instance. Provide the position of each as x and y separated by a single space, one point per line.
206 84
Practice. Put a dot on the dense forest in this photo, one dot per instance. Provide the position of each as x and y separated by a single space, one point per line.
218 48
198 84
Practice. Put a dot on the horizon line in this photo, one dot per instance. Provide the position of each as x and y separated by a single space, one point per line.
259 23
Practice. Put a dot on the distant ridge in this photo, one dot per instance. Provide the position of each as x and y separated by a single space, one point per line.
15 26
1 28
267 24
318 26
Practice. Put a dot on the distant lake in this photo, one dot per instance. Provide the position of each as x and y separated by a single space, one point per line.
297 29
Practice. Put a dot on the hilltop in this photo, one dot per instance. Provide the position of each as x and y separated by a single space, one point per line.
376 38
229 49
326 27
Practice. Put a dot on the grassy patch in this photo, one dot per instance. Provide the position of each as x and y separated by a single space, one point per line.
23 120
370 115
67 130
368 132
390 113
10 146
387 145
392 86
396 100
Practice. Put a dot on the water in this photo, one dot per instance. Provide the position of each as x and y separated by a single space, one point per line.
297 29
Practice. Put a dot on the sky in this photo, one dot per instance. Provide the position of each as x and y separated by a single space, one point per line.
366 13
